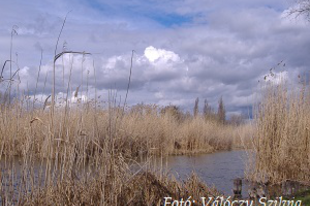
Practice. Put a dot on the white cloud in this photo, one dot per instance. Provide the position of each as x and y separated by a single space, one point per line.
159 95
160 55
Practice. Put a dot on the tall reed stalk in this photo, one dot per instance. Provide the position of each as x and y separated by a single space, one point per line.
282 135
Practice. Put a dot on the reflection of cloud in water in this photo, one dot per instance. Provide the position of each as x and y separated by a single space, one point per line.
218 169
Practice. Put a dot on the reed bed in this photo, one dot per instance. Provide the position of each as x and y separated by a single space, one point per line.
282 135
133 133
81 155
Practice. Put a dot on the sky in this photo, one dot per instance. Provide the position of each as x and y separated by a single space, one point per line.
183 49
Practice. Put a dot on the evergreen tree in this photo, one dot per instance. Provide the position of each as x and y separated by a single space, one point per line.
221 113
196 107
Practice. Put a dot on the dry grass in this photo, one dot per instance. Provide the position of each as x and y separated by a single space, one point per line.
103 180
282 135
84 157
141 189
87 129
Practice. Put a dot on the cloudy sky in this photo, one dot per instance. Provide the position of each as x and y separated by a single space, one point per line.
183 48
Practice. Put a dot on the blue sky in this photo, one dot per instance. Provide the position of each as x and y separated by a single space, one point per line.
142 10
184 48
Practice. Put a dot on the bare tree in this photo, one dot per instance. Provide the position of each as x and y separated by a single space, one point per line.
302 8
206 108
196 107
237 119
173 111
208 112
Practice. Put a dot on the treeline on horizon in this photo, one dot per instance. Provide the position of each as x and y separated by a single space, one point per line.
208 113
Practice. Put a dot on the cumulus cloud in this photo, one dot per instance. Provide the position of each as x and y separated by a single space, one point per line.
160 55
184 49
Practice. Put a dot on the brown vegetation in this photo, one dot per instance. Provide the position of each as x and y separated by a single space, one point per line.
84 158
144 130
282 135
81 154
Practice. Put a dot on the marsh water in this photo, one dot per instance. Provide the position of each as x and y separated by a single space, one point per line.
217 169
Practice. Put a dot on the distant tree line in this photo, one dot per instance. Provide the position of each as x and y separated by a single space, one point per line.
209 114
218 115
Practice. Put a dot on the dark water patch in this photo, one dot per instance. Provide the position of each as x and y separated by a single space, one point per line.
218 169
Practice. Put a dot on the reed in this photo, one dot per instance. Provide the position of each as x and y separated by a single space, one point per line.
282 135
134 133
86 158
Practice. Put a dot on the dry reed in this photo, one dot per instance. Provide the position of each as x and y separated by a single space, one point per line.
85 159
282 135
140 132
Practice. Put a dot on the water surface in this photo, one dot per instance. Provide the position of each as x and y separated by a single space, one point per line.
218 169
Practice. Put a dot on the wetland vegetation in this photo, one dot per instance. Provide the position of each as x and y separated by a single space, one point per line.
65 152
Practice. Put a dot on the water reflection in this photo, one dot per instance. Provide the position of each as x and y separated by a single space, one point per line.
218 169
